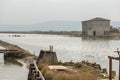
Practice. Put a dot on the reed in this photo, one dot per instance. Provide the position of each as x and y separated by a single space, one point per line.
56 75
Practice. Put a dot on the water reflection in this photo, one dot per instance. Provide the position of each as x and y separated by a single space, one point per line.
12 62
1 58
12 70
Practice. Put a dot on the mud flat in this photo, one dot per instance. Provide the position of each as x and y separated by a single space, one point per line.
22 56
22 52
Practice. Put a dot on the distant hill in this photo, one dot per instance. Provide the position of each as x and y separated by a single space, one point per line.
51 25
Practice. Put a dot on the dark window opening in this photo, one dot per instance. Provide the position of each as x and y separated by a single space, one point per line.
94 33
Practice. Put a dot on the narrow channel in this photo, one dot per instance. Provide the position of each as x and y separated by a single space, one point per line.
11 70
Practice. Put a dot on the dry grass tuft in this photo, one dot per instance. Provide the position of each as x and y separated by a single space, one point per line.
55 75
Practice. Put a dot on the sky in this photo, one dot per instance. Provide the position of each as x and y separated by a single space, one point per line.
25 12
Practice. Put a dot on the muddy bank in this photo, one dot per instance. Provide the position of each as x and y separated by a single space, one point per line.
22 58
69 33
22 53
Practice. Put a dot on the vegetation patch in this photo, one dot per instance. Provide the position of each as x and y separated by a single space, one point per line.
63 75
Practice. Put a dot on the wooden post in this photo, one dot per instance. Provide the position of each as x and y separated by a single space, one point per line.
119 60
119 69
110 68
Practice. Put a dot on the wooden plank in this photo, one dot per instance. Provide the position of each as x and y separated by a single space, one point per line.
116 58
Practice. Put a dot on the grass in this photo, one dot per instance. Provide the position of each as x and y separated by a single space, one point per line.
56 75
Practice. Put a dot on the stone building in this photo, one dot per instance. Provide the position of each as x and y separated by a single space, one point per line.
96 27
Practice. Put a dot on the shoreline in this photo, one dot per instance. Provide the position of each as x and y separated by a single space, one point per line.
69 33
112 36
25 56
24 53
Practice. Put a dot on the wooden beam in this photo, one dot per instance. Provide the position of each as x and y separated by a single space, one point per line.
116 58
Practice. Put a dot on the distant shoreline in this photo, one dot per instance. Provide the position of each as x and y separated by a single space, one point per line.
71 33
113 35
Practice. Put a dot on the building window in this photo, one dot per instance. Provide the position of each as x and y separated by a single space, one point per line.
94 33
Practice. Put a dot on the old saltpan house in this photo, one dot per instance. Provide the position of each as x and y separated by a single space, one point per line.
96 27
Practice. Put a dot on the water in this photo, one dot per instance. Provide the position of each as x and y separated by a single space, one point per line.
10 71
68 48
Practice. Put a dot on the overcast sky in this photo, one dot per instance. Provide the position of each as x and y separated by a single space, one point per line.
37 11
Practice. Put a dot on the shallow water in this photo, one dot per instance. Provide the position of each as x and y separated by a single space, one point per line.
68 48
10 71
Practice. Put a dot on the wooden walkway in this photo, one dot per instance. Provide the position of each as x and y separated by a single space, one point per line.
34 73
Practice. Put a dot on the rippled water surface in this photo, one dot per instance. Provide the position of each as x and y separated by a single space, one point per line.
67 48
10 71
